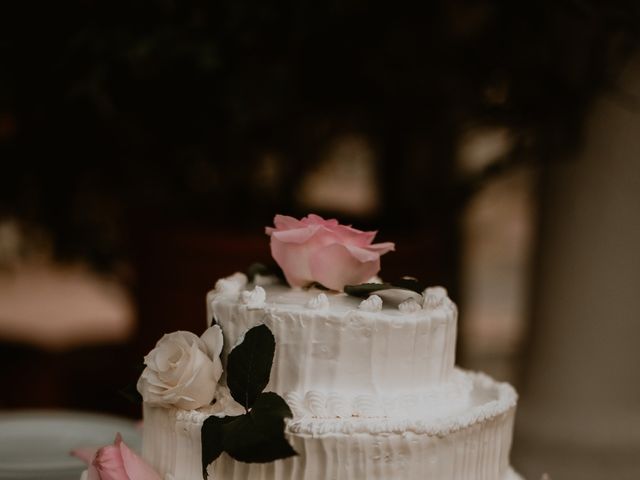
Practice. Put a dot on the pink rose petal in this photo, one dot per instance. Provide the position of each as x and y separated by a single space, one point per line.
115 462
86 454
108 463
135 467
297 235
293 259
354 237
362 254
92 473
283 222
335 266
382 248
317 250
313 219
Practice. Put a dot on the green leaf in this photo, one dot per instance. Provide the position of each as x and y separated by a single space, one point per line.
212 440
365 289
270 403
249 365
130 391
268 414
258 268
258 436
250 446
409 283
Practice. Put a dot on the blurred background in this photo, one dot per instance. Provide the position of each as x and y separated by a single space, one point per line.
144 146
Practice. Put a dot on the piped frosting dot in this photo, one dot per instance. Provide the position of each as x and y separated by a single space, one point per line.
232 284
319 302
409 306
434 297
255 297
371 304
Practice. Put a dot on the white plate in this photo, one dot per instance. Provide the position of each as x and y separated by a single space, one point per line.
36 444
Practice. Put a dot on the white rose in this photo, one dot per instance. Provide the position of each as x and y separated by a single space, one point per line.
183 370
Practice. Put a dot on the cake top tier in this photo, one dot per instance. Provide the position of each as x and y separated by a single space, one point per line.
338 331
335 343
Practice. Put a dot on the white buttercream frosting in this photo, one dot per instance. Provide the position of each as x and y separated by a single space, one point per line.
475 443
344 349
373 391
409 306
434 297
371 304
254 298
232 284
486 400
442 399
319 302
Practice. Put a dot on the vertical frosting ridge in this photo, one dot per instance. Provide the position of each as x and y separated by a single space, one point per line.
473 445
343 349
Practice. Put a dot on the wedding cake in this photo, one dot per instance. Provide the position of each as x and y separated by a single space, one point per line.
360 382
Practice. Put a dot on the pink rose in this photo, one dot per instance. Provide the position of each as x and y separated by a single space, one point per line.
317 250
115 462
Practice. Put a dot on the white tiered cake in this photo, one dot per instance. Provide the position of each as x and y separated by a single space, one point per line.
374 393
371 384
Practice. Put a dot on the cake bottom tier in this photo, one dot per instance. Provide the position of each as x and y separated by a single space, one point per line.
472 445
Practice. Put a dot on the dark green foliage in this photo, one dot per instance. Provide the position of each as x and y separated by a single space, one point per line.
365 289
212 440
409 283
249 365
130 391
258 268
257 436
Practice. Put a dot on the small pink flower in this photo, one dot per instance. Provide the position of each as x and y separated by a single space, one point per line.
115 462
317 250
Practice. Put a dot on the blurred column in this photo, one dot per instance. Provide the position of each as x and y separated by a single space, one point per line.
579 416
